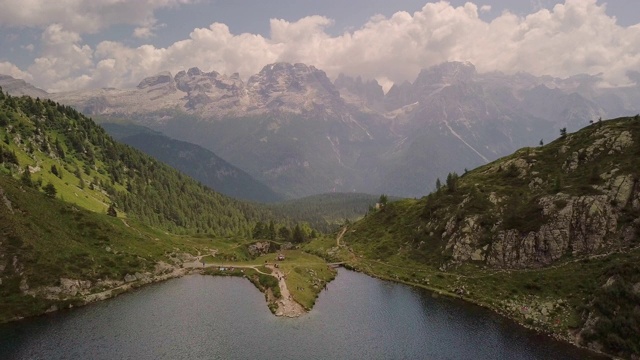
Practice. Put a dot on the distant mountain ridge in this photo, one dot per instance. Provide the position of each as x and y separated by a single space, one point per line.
18 87
286 87
195 161
293 129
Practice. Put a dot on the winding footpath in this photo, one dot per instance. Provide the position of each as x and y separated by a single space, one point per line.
339 237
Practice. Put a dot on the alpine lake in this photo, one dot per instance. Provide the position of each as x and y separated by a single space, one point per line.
207 317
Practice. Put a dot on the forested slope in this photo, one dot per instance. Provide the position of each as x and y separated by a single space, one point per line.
54 144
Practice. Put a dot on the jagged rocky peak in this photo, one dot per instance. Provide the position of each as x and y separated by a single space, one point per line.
204 88
162 78
400 95
447 73
286 77
195 79
430 81
367 94
368 90
194 71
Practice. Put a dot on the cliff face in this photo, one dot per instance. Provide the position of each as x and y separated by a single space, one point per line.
576 226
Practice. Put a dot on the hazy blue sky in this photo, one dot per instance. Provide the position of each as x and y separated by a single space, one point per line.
70 44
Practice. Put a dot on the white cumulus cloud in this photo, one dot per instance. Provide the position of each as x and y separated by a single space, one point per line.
7 68
575 37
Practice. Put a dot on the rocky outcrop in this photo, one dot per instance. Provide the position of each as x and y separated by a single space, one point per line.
603 219
164 78
586 225
363 93
465 239
573 226
293 88
259 248
101 289
66 289
605 141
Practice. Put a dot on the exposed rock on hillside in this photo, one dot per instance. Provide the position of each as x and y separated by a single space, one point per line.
160 79
367 94
577 197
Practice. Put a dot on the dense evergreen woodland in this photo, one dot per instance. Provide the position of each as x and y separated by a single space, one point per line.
45 143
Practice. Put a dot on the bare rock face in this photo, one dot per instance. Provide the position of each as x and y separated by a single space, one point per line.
584 226
606 141
359 92
445 73
400 95
72 287
465 240
208 88
573 226
163 78
293 88
259 248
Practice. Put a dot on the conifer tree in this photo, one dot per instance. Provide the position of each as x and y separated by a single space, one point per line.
298 235
50 190
26 177
111 211
452 182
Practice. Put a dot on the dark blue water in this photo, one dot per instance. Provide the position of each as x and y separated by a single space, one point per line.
203 317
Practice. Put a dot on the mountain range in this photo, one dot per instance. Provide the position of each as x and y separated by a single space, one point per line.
292 128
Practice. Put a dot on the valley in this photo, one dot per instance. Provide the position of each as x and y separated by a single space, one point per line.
297 132
415 179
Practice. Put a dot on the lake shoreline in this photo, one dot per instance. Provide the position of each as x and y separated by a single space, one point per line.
181 271
440 292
